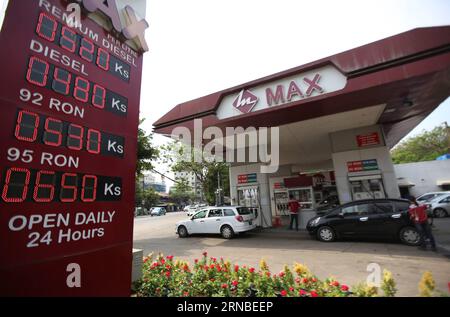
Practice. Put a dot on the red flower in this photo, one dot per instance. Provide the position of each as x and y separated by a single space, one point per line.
196 261
163 261
268 274
281 274
314 280
211 266
305 280
205 254
145 260
169 257
344 288
302 293
251 270
283 293
335 283
214 260
167 274
168 267
212 280
235 283
224 285
236 268
185 268
313 294
186 294
291 289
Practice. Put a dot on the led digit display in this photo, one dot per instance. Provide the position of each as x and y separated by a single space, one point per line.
16 184
61 81
75 137
103 59
53 132
47 27
37 73
68 39
50 186
87 49
27 126
81 91
44 189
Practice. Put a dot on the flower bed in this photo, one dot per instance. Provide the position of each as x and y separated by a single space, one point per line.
216 277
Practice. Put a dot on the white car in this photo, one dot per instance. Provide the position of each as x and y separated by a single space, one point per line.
226 221
431 196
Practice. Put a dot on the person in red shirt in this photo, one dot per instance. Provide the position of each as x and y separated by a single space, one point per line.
418 214
294 207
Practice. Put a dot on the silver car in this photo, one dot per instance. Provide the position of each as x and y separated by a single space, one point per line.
440 206
428 197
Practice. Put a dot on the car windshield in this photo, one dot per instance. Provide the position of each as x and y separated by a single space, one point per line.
243 211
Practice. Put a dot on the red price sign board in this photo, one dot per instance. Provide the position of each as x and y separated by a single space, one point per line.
70 109
368 139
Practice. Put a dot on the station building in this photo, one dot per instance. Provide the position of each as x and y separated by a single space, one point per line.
338 118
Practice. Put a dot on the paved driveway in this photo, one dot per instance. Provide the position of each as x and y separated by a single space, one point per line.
346 261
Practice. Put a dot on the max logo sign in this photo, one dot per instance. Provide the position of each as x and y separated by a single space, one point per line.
245 101
134 29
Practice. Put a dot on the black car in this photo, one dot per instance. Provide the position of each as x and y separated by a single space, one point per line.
373 219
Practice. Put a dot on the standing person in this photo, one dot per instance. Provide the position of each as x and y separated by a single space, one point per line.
294 207
418 214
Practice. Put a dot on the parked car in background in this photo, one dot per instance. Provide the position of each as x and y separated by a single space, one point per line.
440 206
157 211
226 221
367 219
430 196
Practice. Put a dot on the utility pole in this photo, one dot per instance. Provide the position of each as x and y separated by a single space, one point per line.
447 129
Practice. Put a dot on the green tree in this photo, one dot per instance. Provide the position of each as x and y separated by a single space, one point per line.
181 193
426 146
181 159
150 197
146 152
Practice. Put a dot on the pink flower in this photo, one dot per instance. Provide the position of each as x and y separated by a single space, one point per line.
251 270
335 283
224 285
283 293
314 280
282 274
169 257
291 289
344 288
163 261
302 293
235 283
313 294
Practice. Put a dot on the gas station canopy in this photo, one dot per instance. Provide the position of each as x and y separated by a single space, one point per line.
407 76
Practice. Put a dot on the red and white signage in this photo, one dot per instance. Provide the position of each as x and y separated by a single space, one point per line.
68 135
368 139
290 89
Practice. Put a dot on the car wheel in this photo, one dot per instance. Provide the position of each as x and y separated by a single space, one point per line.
326 234
182 232
440 213
227 232
410 236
